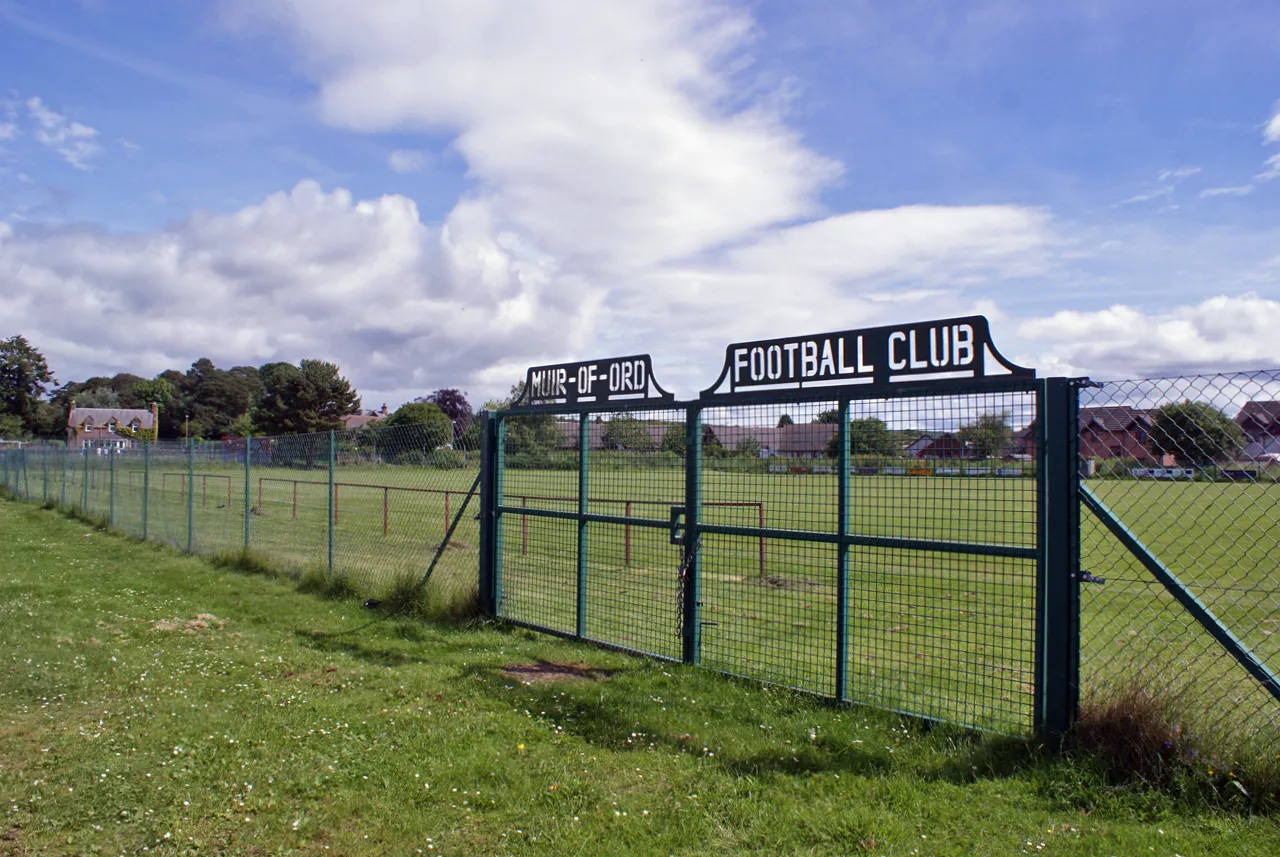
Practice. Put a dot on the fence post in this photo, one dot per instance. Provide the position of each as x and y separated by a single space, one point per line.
248 455
1057 587
489 545
111 502
191 495
842 563
63 496
333 507
84 489
44 474
26 481
146 484
691 591
584 466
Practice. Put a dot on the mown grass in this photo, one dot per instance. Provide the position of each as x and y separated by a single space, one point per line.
155 701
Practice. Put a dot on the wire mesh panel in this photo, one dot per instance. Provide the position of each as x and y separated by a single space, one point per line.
1190 468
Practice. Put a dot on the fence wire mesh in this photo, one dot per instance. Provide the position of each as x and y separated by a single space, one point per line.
1190 466
376 524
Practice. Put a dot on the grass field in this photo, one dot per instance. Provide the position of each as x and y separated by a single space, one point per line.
150 702
939 634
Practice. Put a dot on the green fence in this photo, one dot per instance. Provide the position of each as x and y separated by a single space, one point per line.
1109 536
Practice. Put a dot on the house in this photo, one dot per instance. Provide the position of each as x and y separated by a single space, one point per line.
597 428
801 440
1115 431
943 446
1260 422
110 428
361 419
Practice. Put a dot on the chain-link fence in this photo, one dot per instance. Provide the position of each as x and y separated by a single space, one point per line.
1180 546
370 507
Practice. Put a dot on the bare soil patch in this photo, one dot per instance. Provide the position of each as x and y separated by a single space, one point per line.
540 671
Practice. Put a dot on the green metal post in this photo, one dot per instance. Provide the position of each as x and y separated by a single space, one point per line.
63 496
247 456
584 458
842 561
111 489
499 485
191 495
146 485
332 448
488 446
26 481
84 489
44 474
1057 665
691 642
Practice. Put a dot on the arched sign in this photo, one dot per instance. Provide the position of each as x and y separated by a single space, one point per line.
612 379
874 358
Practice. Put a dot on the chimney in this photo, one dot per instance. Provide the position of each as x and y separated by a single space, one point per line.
384 409
155 421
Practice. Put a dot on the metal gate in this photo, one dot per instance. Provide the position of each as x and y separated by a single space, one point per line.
775 528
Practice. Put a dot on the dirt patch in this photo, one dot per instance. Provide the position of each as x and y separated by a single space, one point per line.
13 834
541 671
195 625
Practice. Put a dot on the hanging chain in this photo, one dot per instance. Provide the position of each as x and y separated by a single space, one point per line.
686 563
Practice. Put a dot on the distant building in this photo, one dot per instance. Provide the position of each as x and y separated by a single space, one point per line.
109 429
1260 422
361 419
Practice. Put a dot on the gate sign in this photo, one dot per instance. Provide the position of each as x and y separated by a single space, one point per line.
956 349
608 380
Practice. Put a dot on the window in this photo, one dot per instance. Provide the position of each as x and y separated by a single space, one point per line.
111 426
135 425
88 423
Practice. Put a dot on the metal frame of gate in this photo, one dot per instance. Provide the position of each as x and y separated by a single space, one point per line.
1055 552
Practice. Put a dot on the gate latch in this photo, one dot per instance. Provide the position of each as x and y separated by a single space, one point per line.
677 525
1086 577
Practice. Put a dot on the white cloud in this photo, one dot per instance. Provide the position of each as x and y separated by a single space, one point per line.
1178 174
8 130
76 143
407 160
1272 170
1218 334
1158 193
1271 133
1239 190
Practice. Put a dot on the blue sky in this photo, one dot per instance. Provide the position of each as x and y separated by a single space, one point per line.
438 194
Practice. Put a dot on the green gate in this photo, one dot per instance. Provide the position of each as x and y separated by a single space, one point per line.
781 526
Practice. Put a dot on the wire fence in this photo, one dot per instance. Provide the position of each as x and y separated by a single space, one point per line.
1190 467
893 563
370 506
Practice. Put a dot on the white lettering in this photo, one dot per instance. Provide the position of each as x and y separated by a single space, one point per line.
739 363
641 382
962 344
773 363
790 348
840 364
757 364
615 377
863 366
894 363
934 351
916 362
626 377
584 385
561 375
828 362
808 358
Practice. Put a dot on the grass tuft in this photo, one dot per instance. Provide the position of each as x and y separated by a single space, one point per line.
331 584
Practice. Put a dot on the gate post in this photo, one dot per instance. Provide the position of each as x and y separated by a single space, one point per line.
691 590
842 562
584 460
488 446
1057 584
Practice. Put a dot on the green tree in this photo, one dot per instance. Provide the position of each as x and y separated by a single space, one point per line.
990 434
24 379
868 436
673 439
626 432
830 417
242 426
310 397
747 447
1194 433
426 427
11 427
157 391
785 420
